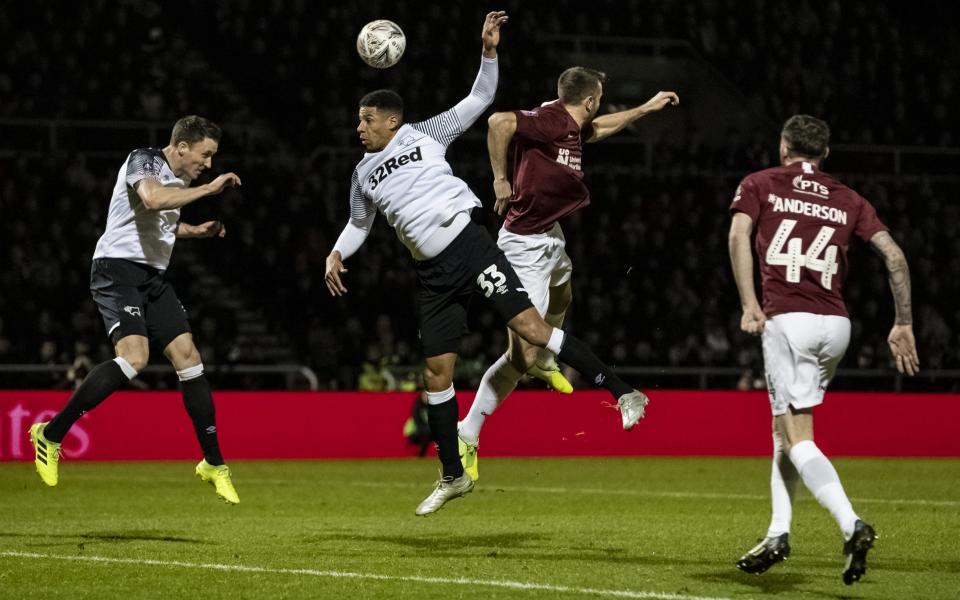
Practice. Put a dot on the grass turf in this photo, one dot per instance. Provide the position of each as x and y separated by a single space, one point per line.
641 527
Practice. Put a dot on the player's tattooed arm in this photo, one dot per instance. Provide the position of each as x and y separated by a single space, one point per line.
903 346
899 275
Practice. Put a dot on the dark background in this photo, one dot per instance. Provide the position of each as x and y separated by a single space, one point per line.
82 85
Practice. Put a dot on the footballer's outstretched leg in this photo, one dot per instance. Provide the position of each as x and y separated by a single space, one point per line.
764 555
468 456
219 477
448 488
46 455
856 549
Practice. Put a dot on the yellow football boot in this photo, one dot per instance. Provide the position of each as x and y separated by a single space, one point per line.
468 458
219 478
46 455
552 376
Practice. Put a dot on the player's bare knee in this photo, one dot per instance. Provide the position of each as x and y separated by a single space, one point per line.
190 358
135 350
182 352
436 381
135 357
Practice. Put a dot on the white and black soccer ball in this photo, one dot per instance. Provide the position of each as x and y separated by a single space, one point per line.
381 43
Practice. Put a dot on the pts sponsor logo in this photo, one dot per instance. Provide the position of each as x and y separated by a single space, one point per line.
15 442
808 186
392 165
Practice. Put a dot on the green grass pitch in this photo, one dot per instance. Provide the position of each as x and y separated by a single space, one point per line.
533 528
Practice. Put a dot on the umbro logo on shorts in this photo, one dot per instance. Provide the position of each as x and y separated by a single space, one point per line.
132 311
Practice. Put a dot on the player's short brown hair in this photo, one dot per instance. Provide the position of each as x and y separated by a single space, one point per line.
576 83
806 136
192 129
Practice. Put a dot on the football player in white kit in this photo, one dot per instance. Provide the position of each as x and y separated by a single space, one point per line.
804 220
404 175
128 284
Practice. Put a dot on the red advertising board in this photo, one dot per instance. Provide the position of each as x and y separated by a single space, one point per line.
281 425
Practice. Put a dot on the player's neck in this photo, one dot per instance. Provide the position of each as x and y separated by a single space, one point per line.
578 113
789 160
172 159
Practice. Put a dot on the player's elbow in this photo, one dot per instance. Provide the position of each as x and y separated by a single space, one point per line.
149 197
737 236
895 259
149 202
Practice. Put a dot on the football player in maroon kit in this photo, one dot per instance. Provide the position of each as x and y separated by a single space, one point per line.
547 185
804 220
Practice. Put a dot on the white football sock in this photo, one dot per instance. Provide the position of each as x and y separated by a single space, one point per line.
555 343
545 358
783 484
495 386
823 482
126 367
442 396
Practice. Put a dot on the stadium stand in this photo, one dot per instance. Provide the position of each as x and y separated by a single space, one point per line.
654 242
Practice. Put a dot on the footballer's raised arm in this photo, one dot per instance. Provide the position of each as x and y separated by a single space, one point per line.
448 125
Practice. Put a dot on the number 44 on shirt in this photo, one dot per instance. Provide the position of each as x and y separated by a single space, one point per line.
794 258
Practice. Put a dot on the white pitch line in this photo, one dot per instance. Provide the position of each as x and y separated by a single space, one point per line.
512 585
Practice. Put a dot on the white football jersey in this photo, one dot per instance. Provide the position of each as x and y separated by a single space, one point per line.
410 180
134 232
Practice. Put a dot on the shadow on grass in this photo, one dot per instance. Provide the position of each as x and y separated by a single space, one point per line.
106 536
503 546
440 543
771 582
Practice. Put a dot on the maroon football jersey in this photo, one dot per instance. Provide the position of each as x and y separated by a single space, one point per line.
547 176
803 219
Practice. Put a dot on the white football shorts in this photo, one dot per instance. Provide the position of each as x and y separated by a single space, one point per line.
801 352
540 261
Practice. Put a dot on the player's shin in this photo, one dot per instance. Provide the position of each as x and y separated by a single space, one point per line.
497 383
783 484
198 400
103 380
575 353
442 417
823 482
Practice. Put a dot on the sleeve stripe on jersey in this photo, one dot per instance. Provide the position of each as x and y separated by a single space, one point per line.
360 207
444 127
144 163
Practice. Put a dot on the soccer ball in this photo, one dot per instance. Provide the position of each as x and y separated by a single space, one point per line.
381 43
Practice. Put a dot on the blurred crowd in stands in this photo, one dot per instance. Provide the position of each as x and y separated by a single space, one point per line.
652 285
